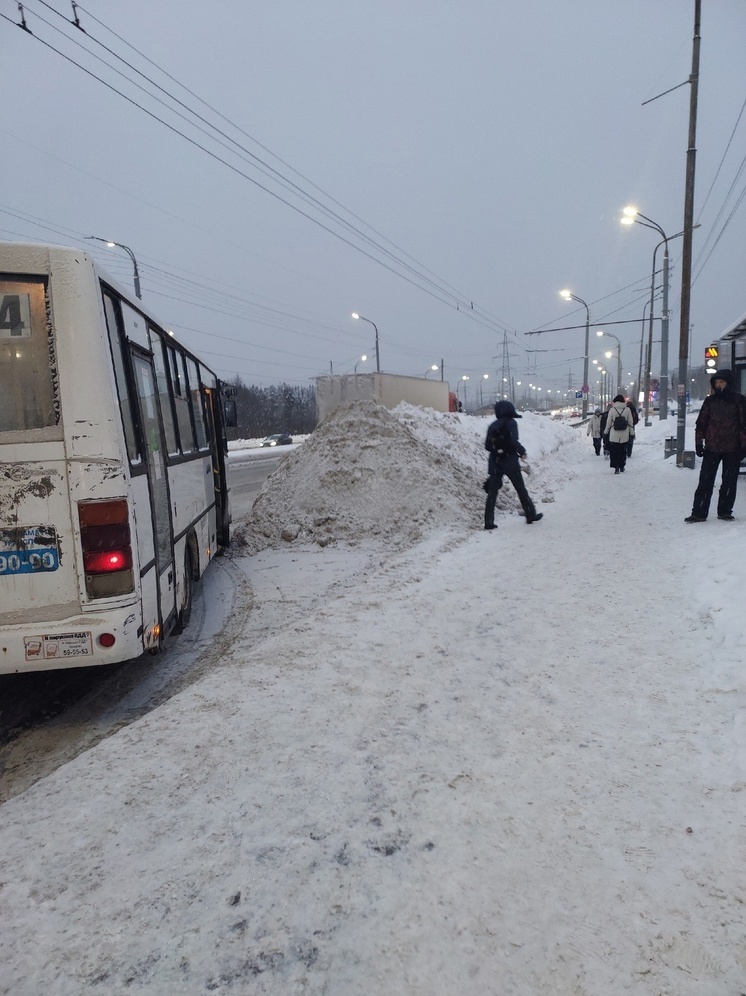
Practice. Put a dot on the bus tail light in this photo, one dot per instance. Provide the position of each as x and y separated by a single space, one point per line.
107 547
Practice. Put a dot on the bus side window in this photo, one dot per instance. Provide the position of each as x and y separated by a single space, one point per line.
181 401
125 406
195 396
164 392
28 386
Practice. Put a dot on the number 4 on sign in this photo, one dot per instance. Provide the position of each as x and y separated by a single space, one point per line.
14 316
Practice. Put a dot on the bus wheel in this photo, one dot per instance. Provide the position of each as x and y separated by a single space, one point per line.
185 612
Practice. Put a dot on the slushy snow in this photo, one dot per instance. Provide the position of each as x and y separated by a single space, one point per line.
435 760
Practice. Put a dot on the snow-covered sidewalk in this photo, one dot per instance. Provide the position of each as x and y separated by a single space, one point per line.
486 764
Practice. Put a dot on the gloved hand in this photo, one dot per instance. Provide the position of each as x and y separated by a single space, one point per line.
700 449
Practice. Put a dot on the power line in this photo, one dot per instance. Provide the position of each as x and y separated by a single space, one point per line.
438 285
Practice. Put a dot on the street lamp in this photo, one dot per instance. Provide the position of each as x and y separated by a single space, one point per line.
360 317
569 296
362 359
481 385
127 249
433 367
618 357
632 216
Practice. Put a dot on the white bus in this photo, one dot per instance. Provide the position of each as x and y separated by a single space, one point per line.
114 492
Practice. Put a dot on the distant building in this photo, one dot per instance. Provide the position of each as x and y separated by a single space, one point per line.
385 389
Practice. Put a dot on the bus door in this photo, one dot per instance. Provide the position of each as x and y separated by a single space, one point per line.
160 503
219 472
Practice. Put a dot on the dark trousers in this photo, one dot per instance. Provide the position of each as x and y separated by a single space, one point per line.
630 444
618 456
728 484
507 467
597 445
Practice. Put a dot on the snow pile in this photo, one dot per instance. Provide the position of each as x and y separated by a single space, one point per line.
370 473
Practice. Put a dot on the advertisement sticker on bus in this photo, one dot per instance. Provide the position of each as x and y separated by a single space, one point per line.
60 645
28 550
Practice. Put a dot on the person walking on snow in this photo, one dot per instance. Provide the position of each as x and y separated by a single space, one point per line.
619 416
505 452
719 436
604 436
594 430
633 430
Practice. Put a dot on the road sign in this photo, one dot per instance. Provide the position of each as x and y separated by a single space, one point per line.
585 389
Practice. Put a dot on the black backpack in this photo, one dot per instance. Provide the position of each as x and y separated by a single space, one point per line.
498 440
620 423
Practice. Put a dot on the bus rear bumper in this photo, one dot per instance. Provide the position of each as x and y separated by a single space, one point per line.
83 640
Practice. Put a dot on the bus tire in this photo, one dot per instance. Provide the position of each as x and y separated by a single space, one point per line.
185 612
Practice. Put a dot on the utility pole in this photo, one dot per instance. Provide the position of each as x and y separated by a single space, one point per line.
506 376
686 259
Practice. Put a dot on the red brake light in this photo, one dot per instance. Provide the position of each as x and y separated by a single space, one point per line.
104 561
107 547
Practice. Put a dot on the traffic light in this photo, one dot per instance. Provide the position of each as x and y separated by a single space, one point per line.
711 359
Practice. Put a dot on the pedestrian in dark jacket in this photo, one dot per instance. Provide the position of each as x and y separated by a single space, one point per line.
633 430
719 437
505 452
604 434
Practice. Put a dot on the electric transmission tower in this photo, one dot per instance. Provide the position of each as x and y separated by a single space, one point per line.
506 386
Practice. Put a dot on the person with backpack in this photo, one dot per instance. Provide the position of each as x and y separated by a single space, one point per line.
505 452
719 437
633 431
594 430
618 425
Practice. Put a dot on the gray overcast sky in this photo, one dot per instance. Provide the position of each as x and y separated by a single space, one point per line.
493 143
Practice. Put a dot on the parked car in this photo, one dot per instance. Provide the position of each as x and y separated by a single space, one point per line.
277 439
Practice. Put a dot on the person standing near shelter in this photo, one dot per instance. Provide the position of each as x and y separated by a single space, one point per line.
719 436
594 430
505 452
618 425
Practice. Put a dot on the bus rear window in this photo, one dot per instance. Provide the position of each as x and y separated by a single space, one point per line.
27 363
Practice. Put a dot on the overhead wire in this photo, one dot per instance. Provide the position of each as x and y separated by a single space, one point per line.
436 290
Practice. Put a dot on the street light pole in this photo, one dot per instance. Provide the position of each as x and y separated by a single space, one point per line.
127 249
378 358
686 259
568 296
618 357
632 216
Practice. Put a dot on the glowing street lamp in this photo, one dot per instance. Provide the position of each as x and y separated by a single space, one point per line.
631 216
618 357
362 319
569 296
127 249
433 367
362 359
